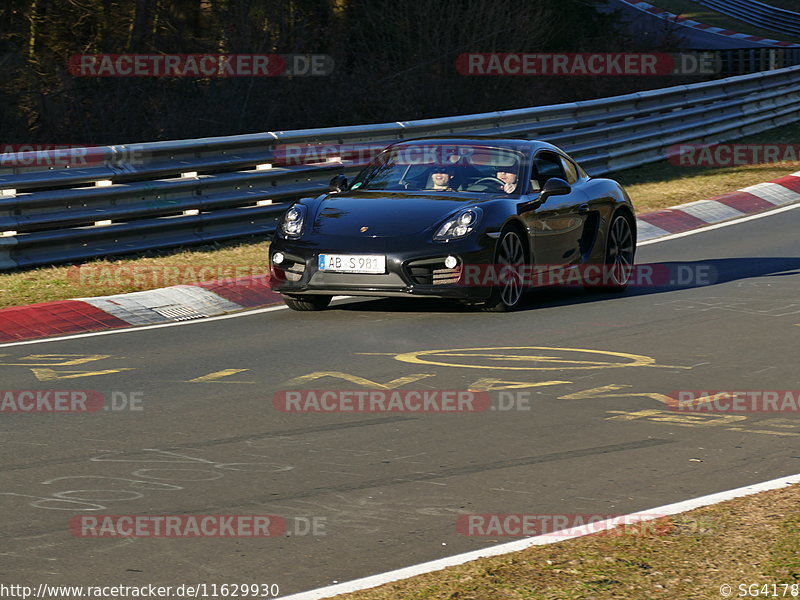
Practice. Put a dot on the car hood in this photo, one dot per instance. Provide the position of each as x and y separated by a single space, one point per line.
385 215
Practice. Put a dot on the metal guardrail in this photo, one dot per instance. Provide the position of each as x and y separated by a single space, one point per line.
759 14
183 192
739 61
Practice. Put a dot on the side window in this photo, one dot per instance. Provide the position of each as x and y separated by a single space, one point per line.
547 165
570 170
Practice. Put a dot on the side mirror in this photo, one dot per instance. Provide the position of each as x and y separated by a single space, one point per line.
338 184
554 187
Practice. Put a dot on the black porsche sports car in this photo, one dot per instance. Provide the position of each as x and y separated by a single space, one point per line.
439 217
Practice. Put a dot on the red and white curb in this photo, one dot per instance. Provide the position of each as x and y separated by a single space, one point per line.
743 202
210 299
686 22
541 540
178 303
175 303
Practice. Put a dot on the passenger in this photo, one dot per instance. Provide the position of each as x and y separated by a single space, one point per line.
442 179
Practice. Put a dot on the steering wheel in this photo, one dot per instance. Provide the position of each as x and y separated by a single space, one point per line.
499 182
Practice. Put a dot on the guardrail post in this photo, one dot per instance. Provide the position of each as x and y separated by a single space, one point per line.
7 244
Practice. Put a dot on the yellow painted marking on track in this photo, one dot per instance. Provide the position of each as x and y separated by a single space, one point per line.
555 358
488 384
672 418
389 385
55 360
216 376
706 420
532 357
52 374
786 423
599 392
774 423
764 431
632 416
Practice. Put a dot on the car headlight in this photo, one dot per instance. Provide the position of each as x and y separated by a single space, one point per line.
461 225
293 221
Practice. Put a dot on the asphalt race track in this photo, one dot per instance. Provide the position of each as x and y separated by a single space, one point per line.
384 489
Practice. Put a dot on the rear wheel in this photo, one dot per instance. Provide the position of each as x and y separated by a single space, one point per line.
307 302
509 260
620 251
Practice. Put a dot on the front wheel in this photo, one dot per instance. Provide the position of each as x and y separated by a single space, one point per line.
508 262
307 302
619 254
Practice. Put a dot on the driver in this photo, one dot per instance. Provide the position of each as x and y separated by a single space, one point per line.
509 180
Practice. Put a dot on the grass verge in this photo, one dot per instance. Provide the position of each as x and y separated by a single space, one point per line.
709 16
751 540
651 187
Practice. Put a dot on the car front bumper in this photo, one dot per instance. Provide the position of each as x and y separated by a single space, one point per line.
409 273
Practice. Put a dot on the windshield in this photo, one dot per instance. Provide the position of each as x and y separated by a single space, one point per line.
444 168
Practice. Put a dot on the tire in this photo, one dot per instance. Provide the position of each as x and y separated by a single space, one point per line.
507 296
307 302
620 252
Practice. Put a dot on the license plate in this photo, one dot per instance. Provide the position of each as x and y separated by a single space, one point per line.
352 263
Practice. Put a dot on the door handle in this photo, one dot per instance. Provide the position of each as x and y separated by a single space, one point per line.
583 208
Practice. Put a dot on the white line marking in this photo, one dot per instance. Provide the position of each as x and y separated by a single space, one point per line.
541 540
257 311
